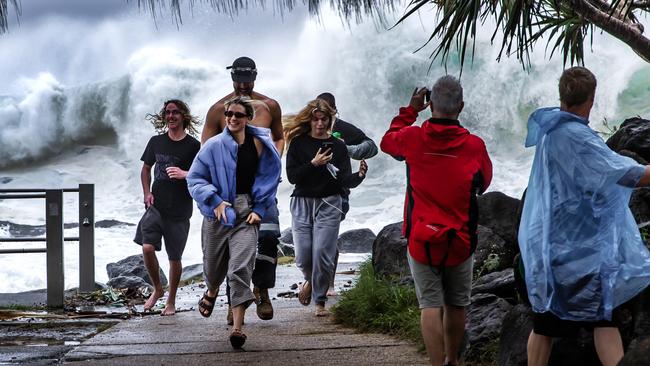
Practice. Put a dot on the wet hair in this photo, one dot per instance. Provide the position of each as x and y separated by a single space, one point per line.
447 95
190 122
577 84
300 124
329 98
243 101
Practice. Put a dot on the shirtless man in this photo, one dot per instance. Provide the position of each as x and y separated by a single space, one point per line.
267 114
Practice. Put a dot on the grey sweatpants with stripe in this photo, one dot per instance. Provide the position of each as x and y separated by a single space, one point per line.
231 251
315 226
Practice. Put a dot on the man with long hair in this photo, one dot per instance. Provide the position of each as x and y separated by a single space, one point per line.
269 115
168 203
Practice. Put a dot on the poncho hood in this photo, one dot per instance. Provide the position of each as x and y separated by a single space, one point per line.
545 119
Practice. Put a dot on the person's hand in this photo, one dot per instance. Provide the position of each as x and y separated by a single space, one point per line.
417 100
253 219
322 157
148 199
363 168
175 172
220 211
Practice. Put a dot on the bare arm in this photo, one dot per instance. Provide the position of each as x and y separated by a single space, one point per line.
145 178
276 126
213 123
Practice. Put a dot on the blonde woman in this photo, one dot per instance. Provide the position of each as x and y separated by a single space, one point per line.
318 166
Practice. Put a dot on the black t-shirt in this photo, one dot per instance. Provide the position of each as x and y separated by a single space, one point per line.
349 132
170 196
311 181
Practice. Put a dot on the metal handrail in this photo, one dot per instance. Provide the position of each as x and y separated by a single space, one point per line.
54 237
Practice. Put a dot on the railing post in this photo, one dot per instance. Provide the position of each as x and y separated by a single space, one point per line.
86 237
54 239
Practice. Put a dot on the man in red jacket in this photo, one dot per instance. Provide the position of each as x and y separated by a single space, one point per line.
446 168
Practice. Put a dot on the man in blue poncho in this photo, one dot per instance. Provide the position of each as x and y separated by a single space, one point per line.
580 245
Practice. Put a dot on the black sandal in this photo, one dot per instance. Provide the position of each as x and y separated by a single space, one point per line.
206 305
237 338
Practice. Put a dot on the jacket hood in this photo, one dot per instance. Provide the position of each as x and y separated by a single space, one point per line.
545 119
447 130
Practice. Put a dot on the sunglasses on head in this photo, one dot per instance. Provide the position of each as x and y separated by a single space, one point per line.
236 114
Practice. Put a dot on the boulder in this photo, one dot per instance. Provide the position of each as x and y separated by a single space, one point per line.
515 329
132 266
193 273
498 212
484 318
111 223
356 241
286 236
501 284
632 135
127 282
638 354
389 252
286 250
492 252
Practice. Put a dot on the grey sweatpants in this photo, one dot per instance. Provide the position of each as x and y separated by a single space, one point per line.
315 226
231 251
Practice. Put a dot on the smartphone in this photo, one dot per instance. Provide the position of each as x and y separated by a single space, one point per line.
427 96
327 145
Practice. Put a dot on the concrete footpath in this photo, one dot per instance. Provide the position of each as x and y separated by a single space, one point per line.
294 337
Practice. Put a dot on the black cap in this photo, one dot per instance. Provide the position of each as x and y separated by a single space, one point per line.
243 70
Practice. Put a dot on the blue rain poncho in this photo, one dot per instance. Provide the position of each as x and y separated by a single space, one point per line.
582 251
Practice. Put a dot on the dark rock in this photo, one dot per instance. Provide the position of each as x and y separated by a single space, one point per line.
638 354
5 180
193 273
356 241
286 236
498 212
389 252
19 231
484 318
501 284
130 282
640 204
515 329
132 266
111 223
492 252
632 135
286 250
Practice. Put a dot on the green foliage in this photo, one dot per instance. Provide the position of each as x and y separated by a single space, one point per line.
378 305
490 264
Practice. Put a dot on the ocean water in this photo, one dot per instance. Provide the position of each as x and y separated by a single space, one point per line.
74 92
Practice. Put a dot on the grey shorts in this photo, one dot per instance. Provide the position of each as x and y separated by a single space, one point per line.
434 290
153 227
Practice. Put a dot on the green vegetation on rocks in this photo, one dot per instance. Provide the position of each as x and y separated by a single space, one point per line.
380 305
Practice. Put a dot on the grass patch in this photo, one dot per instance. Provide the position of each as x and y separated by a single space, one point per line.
379 305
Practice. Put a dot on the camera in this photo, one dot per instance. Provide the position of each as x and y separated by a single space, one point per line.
427 96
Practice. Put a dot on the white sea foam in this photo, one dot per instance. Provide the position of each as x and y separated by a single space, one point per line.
75 113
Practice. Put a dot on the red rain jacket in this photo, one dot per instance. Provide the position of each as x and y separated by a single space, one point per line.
446 168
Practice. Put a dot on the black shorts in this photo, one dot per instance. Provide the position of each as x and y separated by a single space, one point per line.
547 324
153 227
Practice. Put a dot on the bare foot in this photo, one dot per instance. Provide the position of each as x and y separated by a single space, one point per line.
151 301
331 292
321 311
170 309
